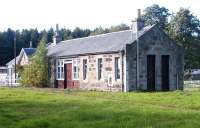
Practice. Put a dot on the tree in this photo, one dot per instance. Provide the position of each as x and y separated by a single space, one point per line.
156 15
36 73
50 34
118 28
185 29
65 34
97 31
78 33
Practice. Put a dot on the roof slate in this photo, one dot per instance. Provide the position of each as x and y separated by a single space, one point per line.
110 42
29 51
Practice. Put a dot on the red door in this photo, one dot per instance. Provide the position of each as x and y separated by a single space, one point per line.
68 76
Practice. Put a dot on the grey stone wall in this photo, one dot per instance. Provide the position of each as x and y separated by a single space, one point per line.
52 72
154 42
91 82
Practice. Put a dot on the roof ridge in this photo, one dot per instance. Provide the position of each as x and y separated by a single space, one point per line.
29 48
99 35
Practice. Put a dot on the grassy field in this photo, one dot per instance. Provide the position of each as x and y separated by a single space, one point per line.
47 108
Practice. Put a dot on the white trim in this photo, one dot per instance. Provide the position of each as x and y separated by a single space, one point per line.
67 61
97 69
60 66
124 70
73 65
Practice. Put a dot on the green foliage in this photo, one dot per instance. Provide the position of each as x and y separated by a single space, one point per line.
156 15
185 29
24 37
36 73
98 31
47 108
116 28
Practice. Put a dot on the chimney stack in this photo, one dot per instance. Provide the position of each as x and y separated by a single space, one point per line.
138 23
139 14
56 37
31 44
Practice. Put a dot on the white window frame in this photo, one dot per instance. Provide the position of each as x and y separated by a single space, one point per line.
75 64
60 65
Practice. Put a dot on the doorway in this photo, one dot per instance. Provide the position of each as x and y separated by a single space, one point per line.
165 72
68 75
151 59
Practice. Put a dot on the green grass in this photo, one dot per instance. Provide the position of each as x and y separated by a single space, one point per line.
48 108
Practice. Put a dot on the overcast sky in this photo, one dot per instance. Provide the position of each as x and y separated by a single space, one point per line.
43 14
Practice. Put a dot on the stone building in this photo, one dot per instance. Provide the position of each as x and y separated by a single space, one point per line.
109 62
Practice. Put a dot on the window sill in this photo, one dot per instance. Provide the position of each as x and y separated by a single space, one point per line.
60 79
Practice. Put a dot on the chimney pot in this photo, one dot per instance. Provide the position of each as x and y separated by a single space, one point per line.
31 44
138 23
139 14
56 37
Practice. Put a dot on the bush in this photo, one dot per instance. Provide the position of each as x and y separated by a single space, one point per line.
36 73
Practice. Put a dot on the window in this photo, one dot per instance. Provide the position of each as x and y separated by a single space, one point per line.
75 69
99 68
117 68
3 71
60 70
84 69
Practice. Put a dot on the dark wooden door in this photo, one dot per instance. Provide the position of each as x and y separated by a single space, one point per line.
151 72
165 72
68 76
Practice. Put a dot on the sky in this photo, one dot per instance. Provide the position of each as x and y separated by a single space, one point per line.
44 14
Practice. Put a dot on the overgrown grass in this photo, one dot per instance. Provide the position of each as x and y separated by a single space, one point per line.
48 108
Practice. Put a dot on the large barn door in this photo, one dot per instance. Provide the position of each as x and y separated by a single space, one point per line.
68 75
165 72
151 72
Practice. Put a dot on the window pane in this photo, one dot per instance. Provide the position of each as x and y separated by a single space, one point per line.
62 72
117 68
84 69
99 69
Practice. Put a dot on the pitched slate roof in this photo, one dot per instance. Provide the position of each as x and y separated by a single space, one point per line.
12 62
110 42
29 51
195 72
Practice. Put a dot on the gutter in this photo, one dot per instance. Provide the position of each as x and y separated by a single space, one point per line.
122 61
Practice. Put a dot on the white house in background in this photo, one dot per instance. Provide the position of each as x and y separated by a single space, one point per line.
22 59
195 74
3 74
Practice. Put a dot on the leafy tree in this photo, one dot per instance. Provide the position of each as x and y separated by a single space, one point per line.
50 34
118 28
185 29
65 34
36 73
77 33
97 31
156 15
